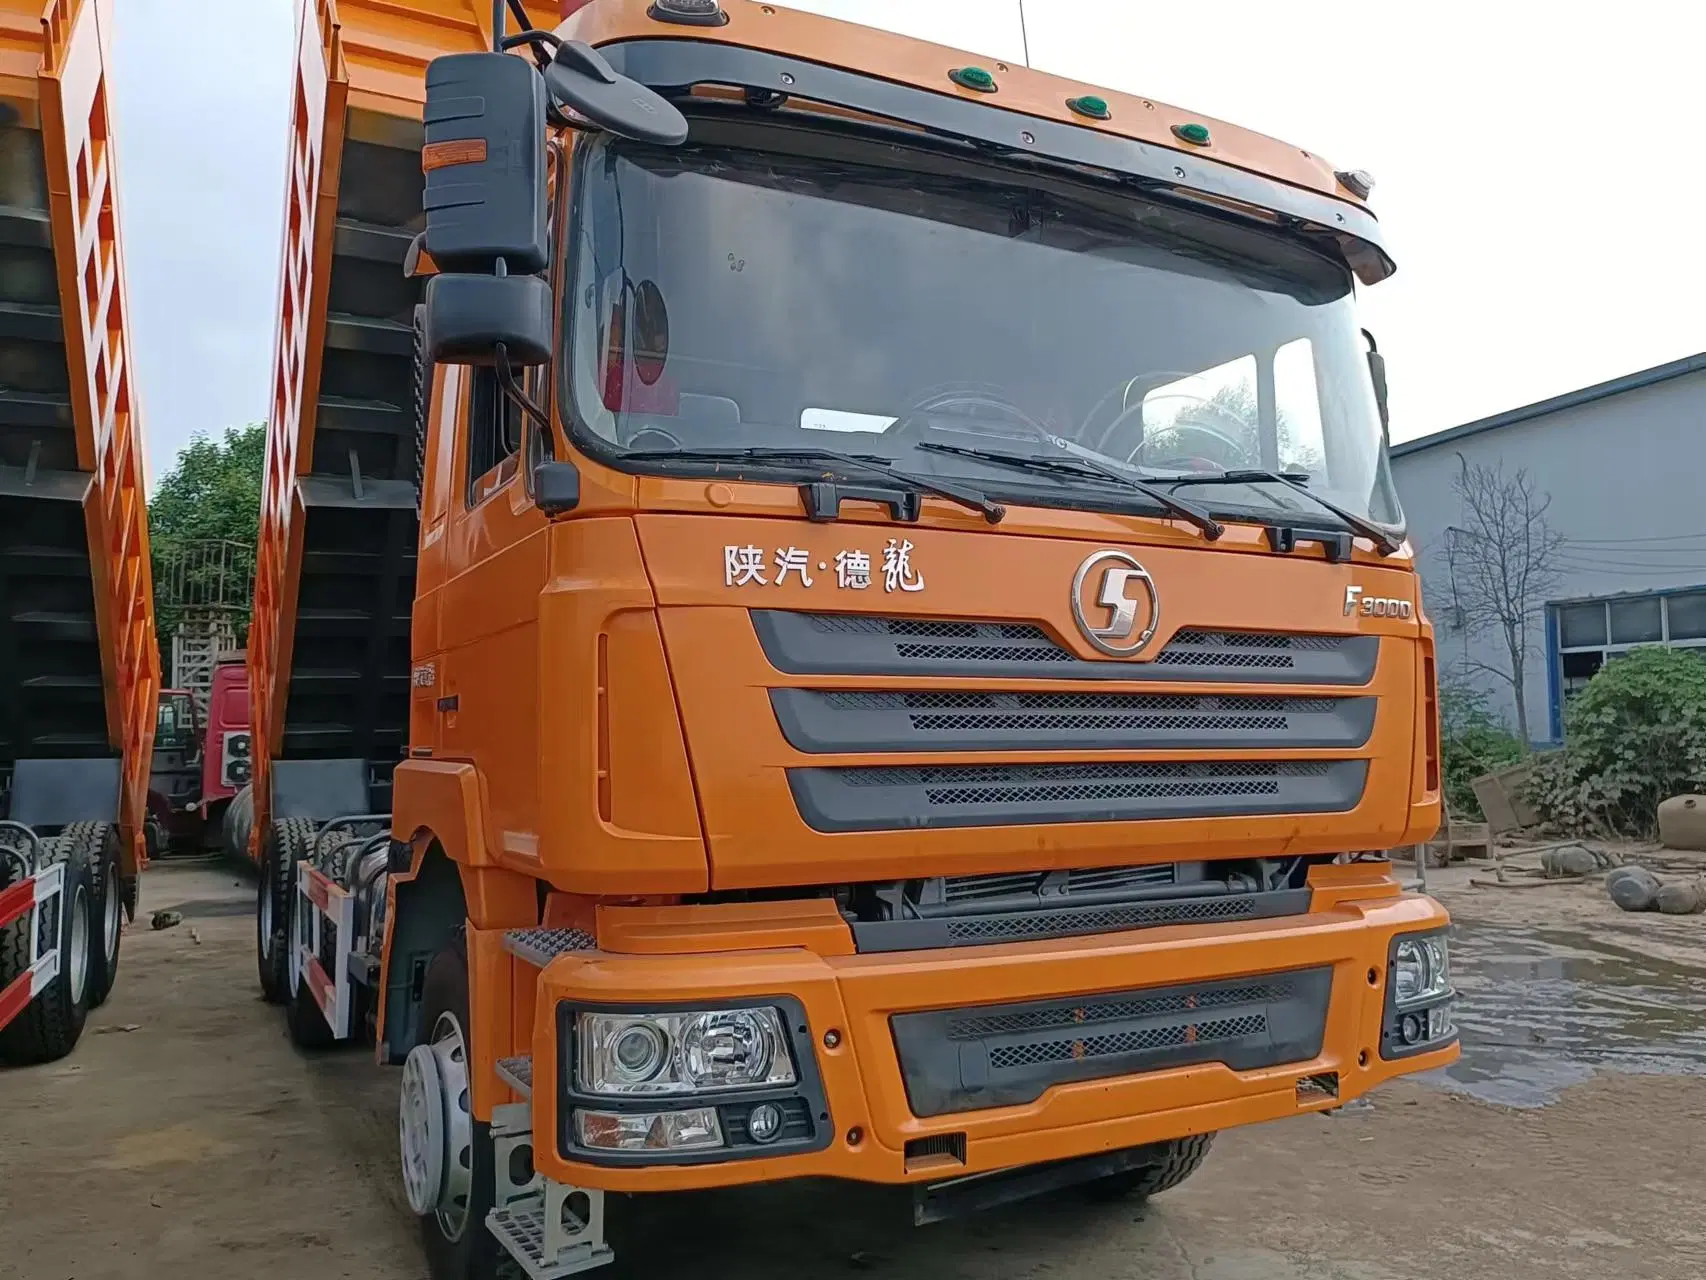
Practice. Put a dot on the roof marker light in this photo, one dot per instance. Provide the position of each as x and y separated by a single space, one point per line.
1090 106
1359 182
975 78
691 13
1195 134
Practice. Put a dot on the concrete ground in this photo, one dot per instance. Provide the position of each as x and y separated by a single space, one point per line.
185 1138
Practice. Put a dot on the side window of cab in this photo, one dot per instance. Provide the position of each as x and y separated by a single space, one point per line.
498 427
494 436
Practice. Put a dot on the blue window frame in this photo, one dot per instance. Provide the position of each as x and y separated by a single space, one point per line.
1583 635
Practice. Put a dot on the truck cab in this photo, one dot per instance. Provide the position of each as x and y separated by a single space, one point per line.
915 661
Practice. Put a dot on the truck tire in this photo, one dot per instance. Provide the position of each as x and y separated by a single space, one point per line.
1176 1161
100 842
287 842
305 1022
50 1024
237 824
453 1233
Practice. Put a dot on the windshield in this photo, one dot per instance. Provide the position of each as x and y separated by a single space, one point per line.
875 298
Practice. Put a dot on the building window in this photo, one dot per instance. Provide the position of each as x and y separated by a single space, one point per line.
1592 633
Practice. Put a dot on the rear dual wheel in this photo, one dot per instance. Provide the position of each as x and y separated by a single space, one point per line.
49 1026
100 844
287 842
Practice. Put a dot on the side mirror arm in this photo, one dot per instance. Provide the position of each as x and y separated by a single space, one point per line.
515 391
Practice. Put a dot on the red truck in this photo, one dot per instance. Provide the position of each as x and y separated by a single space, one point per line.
200 763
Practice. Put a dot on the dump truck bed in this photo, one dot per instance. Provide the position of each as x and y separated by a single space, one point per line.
335 578
79 665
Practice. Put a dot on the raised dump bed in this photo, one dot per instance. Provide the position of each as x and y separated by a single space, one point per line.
335 579
79 666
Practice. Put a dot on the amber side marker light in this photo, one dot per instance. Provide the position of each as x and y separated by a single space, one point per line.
441 155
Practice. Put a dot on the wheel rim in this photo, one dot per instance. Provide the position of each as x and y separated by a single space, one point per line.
110 914
436 1128
76 953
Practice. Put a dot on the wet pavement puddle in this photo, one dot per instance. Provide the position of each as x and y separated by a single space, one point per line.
1543 1009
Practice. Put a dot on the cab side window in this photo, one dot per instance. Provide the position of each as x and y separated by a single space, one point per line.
494 436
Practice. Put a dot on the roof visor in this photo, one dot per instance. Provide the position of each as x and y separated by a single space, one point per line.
674 68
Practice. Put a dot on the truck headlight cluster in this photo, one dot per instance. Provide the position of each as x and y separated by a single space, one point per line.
1419 996
624 1054
1421 969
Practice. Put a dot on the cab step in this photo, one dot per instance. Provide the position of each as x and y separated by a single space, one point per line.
517 1073
538 947
520 1227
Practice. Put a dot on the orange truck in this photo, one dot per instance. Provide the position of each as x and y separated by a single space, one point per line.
79 665
828 607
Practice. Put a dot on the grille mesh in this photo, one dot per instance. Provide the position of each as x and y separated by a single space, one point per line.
1036 1052
1030 783
1016 926
978 1057
941 640
947 712
1069 1017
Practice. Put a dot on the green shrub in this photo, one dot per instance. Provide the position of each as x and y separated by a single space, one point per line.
1473 741
1633 737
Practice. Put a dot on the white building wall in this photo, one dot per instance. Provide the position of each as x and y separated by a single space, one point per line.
1627 477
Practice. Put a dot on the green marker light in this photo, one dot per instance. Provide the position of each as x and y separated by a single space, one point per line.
1091 106
1195 134
973 78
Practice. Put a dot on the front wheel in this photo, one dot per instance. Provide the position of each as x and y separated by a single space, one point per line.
448 1161
1174 1162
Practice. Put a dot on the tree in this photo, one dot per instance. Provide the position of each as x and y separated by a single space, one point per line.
213 490
1502 557
204 522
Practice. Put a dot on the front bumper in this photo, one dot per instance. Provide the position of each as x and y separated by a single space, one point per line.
870 1118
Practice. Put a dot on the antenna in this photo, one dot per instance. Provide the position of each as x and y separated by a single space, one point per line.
1024 35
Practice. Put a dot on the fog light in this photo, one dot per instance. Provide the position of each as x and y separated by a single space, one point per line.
765 1122
650 1130
1412 1027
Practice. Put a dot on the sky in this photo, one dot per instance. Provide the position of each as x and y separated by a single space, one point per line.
1537 176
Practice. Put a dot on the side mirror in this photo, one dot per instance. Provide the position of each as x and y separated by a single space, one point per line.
486 232
468 317
582 82
1377 375
484 161
556 487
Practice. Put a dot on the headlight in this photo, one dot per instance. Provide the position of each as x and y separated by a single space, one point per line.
1421 970
659 1053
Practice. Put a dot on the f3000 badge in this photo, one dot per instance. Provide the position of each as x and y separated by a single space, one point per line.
1367 606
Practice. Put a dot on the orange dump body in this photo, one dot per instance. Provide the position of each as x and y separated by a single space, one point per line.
328 653
79 664
693 777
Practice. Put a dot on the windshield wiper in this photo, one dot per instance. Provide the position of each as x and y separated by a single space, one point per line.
1075 463
823 501
1384 542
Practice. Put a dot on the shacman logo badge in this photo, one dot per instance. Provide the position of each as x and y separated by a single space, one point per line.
1125 589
